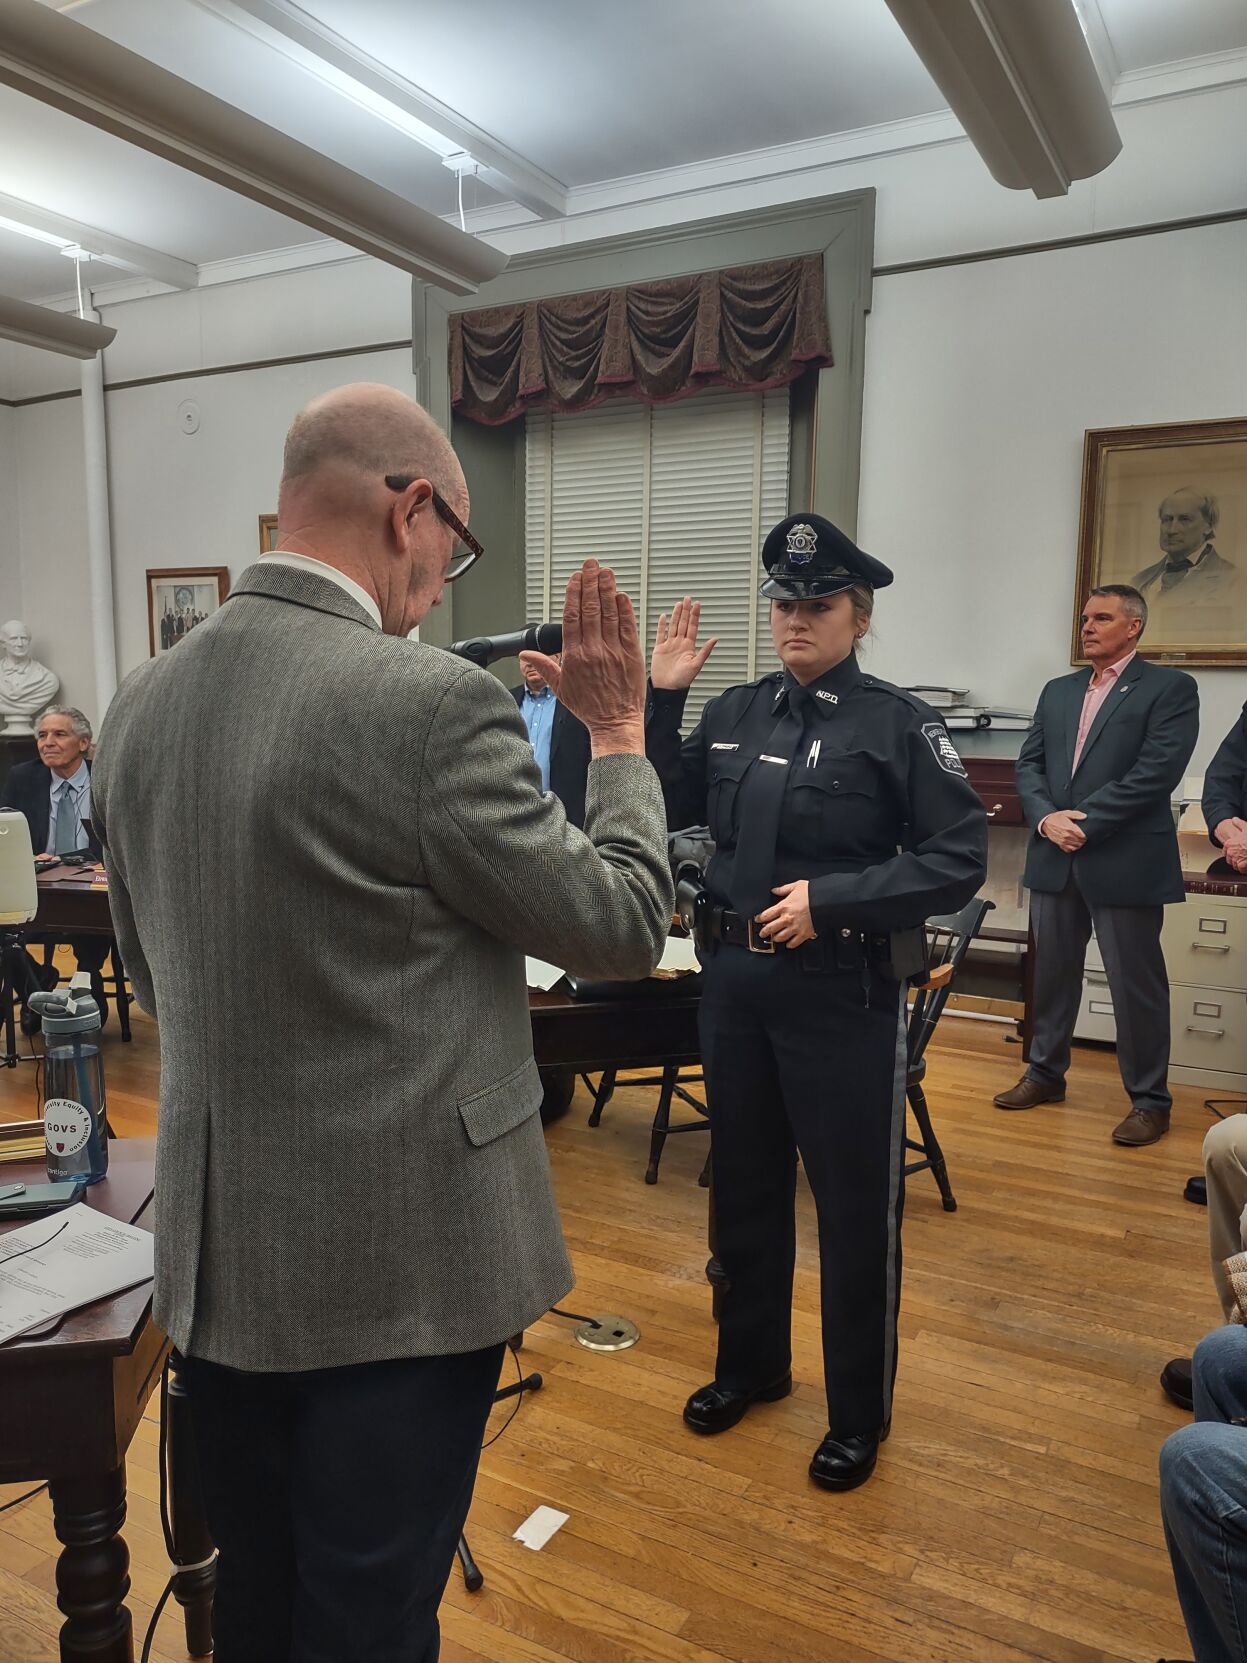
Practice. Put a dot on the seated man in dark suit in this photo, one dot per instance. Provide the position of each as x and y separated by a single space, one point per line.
54 794
1225 796
1096 773
560 742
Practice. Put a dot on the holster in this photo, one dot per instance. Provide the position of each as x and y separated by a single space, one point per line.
691 903
900 955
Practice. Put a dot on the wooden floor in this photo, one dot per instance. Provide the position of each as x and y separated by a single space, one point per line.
1013 1514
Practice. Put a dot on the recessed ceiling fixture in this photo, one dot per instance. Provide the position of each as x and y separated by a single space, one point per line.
1020 78
65 64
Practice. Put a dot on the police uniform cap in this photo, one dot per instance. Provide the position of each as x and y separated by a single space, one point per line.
806 556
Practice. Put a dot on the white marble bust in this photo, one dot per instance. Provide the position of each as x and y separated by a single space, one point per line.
26 686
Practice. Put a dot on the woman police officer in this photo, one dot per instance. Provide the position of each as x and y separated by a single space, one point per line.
842 818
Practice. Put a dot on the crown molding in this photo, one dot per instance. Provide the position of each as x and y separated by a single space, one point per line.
1210 73
1213 72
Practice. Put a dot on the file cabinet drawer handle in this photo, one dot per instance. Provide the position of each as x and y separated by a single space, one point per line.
1194 1028
1207 947
993 812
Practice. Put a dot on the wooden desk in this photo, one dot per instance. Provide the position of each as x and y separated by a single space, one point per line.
643 1032
71 1398
69 905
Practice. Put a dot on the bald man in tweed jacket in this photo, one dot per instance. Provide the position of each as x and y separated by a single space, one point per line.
328 853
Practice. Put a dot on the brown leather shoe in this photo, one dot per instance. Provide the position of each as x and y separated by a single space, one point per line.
1140 1127
1029 1093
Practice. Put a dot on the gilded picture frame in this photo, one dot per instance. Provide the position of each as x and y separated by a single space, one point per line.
178 599
1164 508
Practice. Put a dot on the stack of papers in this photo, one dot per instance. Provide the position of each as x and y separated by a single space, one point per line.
68 1259
678 959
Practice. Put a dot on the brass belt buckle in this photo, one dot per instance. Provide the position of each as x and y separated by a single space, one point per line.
757 944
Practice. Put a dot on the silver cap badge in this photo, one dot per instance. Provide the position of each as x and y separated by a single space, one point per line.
802 544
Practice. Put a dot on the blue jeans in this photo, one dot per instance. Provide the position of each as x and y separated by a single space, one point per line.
1203 1501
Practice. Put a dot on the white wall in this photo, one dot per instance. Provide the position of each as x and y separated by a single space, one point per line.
979 383
177 499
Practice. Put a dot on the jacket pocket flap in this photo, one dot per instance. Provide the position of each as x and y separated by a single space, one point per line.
501 1107
728 765
839 777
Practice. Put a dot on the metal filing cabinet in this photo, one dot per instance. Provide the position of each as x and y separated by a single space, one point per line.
1095 1012
1205 943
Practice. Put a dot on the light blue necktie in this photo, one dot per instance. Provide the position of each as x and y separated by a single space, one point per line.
66 821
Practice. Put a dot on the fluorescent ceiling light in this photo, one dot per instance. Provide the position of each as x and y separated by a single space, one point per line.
285 27
28 219
70 67
32 232
1020 78
52 331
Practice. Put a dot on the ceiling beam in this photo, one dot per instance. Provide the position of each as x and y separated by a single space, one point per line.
52 331
114 251
64 64
305 40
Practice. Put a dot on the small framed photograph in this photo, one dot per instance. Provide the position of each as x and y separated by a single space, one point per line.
179 598
1165 509
268 533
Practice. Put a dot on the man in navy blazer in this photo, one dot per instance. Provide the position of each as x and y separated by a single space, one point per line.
1104 755
560 742
1225 796
54 793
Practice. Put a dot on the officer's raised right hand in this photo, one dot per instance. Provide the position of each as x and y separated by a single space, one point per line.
677 659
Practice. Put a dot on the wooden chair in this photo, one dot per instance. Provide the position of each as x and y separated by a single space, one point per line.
948 941
672 1083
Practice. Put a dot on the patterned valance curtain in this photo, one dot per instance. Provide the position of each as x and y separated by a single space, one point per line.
750 327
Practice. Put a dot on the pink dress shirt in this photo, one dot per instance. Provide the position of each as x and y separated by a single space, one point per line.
1098 689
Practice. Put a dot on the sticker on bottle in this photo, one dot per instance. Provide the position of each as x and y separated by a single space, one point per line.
66 1125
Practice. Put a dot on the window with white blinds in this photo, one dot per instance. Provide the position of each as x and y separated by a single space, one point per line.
677 499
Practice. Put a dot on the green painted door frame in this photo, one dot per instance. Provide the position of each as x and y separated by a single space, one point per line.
826 410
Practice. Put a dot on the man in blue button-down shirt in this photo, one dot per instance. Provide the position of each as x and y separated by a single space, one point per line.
537 709
560 743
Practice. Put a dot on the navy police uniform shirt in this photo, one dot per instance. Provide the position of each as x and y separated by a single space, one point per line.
877 814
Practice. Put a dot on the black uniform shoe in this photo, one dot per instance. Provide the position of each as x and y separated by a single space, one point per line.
716 1408
1175 1380
1196 1191
844 1463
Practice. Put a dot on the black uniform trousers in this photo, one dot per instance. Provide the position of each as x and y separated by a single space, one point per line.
335 1498
794 1063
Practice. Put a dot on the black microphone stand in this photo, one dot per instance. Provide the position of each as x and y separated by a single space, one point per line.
473 1578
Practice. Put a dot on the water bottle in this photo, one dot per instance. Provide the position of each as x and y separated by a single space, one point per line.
75 1122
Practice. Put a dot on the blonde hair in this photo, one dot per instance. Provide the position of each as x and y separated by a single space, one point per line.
863 598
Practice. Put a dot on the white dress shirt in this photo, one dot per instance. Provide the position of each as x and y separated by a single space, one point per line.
322 568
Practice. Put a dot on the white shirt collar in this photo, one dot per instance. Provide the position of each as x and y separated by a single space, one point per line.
322 568
79 780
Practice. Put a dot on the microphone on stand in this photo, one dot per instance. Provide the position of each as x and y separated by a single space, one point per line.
486 649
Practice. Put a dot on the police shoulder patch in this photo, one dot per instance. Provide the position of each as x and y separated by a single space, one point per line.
942 747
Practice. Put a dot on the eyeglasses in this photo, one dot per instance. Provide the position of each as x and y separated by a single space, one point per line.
471 551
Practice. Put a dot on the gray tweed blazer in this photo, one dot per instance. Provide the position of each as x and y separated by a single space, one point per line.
328 852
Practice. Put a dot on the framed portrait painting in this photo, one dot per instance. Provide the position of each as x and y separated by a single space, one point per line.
179 598
1165 510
